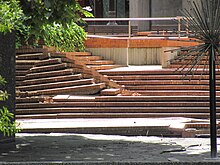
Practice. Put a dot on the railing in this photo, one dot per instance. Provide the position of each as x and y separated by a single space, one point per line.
177 19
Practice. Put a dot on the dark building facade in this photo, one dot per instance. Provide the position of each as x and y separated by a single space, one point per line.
135 9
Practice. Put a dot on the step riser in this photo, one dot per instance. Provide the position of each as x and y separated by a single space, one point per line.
52 74
48 68
116 104
55 85
53 79
113 110
103 115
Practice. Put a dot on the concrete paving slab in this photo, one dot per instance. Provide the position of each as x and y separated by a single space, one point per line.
119 126
106 149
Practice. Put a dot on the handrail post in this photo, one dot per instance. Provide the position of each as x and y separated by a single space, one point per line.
179 26
129 29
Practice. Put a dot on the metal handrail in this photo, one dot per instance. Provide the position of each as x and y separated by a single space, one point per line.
178 18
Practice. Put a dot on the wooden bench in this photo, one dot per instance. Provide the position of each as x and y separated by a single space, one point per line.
111 29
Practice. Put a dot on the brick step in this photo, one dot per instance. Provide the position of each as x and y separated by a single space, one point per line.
48 68
29 49
78 54
110 92
160 77
19 78
70 77
23 67
100 62
88 58
165 82
71 98
183 62
189 66
152 98
26 62
30 100
51 61
115 115
190 57
52 73
113 104
34 56
170 87
55 85
167 71
173 92
103 67
75 90
21 73
114 110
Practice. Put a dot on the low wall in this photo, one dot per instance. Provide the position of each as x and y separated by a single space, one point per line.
135 51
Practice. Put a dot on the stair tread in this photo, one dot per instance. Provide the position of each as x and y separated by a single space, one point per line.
51 73
53 67
115 104
52 79
116 110
56 84
115 115
71 89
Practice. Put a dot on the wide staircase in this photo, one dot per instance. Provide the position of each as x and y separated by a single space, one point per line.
64 86
154 93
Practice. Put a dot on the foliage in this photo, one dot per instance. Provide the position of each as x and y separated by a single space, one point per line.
7 126
11 16
43 13
64 38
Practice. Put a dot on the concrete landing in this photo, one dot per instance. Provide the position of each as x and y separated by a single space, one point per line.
119 126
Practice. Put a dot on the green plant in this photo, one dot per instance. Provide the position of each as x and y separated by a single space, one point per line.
11 16
45 12
66 38
7 126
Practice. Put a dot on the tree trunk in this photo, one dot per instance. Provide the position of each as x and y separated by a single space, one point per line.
7 70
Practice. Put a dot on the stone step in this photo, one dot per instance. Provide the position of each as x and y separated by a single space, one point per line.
189 66
19 78
88 58
115 110
100 62
21 73
170 87
183 62
51 61
153 99
110 92
159 77
114 104
173 92
61 78
23 67
55 85
29 49
71 98
48 68
53 73
103 67
167 71
34 56
114 115
78 53
165 82
74 90
26 62
29 100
